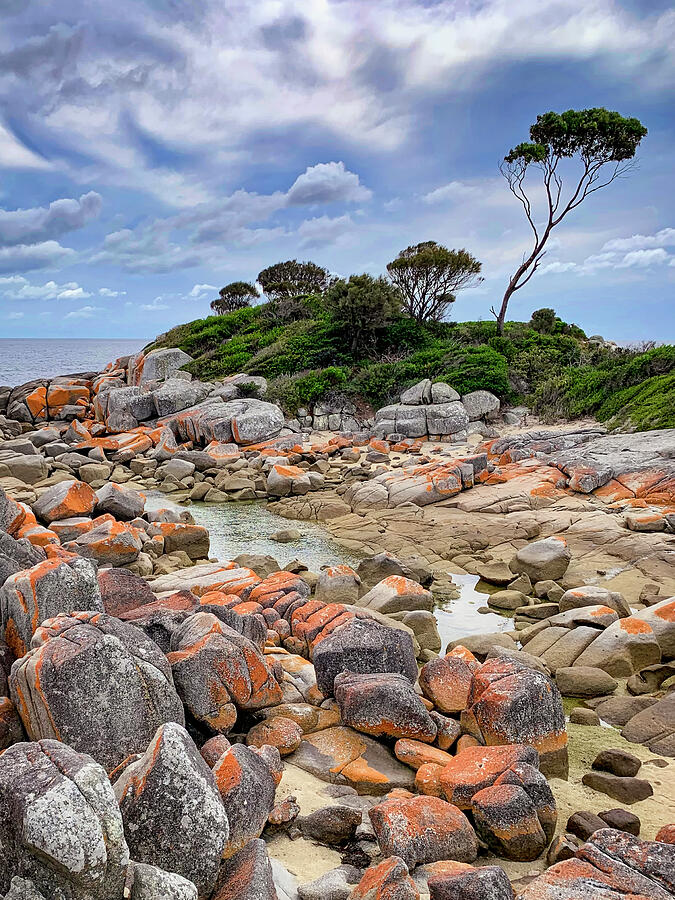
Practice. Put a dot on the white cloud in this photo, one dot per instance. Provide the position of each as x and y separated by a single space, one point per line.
453 191
155 305
107 292
199 289
15 155
15 315
557 267
16 287
327 183
644 258
32 226
84 312
663 238
324 230
23 257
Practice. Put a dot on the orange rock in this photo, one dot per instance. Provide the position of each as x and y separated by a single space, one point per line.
279 732
475 768
416 754
428 779
446 682
65 500
389 880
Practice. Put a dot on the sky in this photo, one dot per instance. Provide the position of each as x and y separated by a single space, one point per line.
152 151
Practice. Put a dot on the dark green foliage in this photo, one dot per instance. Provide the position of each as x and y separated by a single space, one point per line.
543 320
292 278
234 296
560 374
362 307
429 275
294 391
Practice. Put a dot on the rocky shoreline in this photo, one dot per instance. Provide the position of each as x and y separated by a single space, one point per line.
178 725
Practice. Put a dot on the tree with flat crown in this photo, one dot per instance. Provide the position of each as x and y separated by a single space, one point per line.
292 279
233 296
428 275
602 144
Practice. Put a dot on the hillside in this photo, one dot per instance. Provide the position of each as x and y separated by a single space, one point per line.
561 375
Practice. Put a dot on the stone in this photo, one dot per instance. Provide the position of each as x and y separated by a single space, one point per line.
618 762
286 535
661 618
338 584
480 405
395 594
507 599
511 704
583 824
625 790
581 716
363 646
247 785
173 815
443 393
121 591
330 824
446 682
620 710
217 671
622 820
51 587
666 834
506 820
654 726
146 882
416 754
563 846
64 501
96 683
594 595
584 681
247 875
483 883
121 502
60 825
477 767
279 732
541 560
622 649
158 365
388 880
421 830
535 785
336 884
481 644
109 543
191 539
383 704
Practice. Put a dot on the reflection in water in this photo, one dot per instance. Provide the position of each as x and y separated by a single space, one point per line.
457 618
247 528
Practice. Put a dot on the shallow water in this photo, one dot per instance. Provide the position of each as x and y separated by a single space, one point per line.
248 528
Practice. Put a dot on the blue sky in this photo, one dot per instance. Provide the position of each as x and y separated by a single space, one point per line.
154 150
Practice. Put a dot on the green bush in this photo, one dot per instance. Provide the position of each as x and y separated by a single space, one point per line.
294 391
479 368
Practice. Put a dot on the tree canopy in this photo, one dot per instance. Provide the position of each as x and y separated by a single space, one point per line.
362 306
602 142
292 278
233 296
428 275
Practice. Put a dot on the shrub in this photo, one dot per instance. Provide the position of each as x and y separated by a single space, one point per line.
306 388
362 307
234 296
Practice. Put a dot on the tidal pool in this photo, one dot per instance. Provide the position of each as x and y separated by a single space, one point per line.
248 528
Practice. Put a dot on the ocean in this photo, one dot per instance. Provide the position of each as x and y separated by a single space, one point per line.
22 359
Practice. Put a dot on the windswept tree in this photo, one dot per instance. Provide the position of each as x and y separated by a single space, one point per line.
362 306
292 279
602 144
428 275
234 296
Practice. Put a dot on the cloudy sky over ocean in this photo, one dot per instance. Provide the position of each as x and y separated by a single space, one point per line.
153 150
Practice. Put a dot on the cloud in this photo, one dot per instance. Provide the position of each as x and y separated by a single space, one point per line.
451 192
199 289
107 292
16 287
84 312
327 183
149 250
644 258
23 258
33 226
15 315
324 230
155 305
15 155
663 238
557 267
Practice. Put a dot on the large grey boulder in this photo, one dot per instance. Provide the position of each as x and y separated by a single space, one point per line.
127 405
120 502
661 618
158 365
594 595
146 882
480 405
543 560
365 647
60 825
446 418
443 393
16 555
98 684
24 467
411 421
173 815
417 394
176 394
47 589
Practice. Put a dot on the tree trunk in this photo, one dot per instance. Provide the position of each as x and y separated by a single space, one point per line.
501 318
